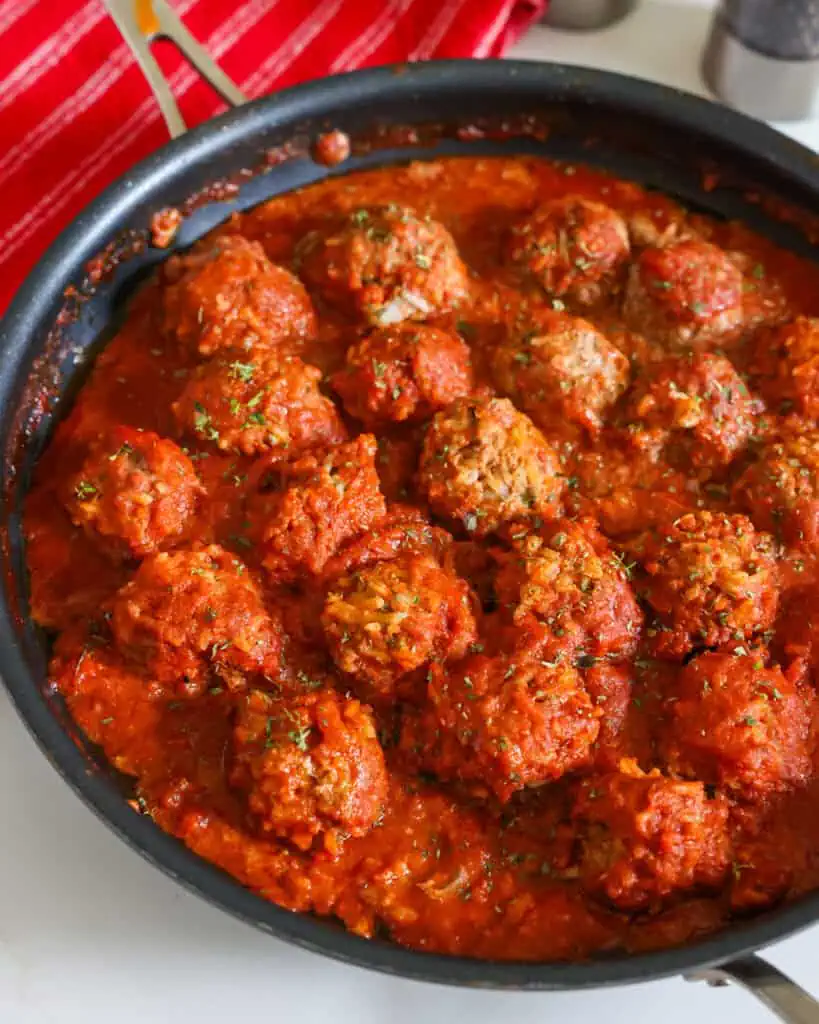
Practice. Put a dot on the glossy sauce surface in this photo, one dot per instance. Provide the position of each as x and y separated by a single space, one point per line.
593 718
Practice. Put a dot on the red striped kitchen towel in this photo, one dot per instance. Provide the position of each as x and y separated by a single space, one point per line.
75 111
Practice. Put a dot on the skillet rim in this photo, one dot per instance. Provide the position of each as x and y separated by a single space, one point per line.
33 310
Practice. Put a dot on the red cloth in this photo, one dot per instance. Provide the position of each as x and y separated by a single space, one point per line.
75 111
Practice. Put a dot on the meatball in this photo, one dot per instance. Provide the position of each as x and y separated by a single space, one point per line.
739 725
503 725
786 366
405 372
187 612
711 579
225 293
645 837
135 493
386 265
484 463
393 617
257 403
572 247
781 489
560 368
684 293
568 578
695 408
307 509
312 767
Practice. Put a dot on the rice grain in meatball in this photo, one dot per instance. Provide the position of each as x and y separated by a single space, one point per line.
311 767
710 578
135 493
780 489
484 463
263 402
388 619
503 725
226 294
560 368
386 264
646 838
739 725
685 293
572 247
188 612
403 373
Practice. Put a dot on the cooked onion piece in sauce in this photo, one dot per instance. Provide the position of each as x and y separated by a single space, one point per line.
436 547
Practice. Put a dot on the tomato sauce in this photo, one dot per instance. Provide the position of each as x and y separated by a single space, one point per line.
401 640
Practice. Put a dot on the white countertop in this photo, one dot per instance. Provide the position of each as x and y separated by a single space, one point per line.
89 933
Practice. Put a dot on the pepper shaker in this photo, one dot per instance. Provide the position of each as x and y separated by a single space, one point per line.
762 57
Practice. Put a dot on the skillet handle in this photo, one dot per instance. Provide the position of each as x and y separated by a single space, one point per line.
143 21
791 1003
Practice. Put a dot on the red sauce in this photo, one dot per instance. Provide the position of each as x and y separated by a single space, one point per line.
428 558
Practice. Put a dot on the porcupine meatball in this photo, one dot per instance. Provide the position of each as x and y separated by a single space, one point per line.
401 373
226 294
261 402
135 493
568 578
739 725
484 463
311 767
780 489
560 368
305 510
187 612
710 578
786 366
695 408
572 247
393 617
645 837
502 725
796 644
386 264
684 293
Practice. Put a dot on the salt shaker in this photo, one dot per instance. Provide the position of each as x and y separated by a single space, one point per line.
762 57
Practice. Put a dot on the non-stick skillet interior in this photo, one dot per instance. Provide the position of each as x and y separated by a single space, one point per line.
650 135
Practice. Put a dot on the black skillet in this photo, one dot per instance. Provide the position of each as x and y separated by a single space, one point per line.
658 136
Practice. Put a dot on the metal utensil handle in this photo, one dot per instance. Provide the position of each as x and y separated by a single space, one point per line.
143 21
791 1003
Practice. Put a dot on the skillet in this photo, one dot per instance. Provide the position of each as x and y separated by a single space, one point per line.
660 137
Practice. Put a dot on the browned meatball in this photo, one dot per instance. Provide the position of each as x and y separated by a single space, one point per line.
309 767
306 510
386 264
502 725
484 463
646 837
225 293
392 617
135 493
694 408
185 612
257 403
560 368
786 366
573 247
711 579
685 293
567 577
781 489
739 725
405 372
